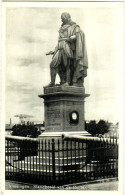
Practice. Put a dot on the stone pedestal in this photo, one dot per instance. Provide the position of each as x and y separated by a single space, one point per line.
64 108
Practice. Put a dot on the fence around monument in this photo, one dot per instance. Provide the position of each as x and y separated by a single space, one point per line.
60 161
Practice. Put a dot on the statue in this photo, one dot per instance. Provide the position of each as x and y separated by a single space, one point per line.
69 59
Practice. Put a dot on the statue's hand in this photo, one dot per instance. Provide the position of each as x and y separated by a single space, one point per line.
71 39
50 53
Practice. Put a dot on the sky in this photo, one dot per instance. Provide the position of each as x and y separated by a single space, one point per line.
31 32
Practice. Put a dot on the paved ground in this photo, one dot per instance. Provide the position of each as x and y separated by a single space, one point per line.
106 185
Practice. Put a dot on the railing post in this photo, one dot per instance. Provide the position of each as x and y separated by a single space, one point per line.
53 159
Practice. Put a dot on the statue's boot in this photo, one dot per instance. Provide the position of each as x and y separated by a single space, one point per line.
50 85
65 84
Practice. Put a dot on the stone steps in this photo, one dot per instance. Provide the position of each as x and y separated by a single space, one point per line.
45 171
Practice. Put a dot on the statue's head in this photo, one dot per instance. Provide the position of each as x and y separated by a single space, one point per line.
65 17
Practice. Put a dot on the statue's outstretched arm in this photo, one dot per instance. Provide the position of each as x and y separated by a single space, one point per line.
50 53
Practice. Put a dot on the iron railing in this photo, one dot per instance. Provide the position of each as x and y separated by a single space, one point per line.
62 161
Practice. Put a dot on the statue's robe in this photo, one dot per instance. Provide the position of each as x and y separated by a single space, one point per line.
73 50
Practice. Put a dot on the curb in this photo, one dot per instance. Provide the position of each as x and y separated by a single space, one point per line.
91 182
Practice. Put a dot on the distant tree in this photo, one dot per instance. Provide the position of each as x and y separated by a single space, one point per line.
103 127
25 130
91 127
94 128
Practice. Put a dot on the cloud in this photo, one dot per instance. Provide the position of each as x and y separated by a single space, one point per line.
19 88
30 39
32 61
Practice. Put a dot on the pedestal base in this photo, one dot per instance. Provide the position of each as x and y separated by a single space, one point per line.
64 108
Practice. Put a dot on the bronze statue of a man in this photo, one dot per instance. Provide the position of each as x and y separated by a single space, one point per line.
69 59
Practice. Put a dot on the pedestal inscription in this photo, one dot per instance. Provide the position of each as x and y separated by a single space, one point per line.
53 116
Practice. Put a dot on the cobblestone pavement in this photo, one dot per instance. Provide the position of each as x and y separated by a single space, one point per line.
107 186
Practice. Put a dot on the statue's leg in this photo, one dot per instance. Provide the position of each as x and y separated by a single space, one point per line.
68 73
54 68
71 71
62 72
67 79
62 77
53 72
